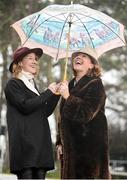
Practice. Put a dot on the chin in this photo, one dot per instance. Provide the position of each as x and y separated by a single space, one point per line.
34 73
77 69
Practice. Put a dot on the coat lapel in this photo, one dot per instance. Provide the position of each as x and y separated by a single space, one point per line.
79 85
28 84
74 89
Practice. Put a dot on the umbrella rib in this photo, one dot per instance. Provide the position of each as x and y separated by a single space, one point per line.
86 30
61 36
34 23
32 30
57 18
45 21
57 15
104 25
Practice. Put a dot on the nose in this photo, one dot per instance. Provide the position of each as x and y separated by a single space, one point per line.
35 61
77 57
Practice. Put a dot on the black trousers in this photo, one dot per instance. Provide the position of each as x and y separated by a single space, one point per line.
31 173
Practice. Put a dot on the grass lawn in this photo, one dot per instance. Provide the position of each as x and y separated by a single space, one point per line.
55 174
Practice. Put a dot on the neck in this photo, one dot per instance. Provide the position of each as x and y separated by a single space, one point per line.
27 74
79 75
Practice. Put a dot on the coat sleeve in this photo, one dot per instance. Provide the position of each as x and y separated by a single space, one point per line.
51 104
85 104
58 138
16 96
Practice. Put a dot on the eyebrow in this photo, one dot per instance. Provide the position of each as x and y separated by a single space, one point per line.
29 55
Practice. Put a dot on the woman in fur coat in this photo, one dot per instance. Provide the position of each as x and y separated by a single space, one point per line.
82 142
30 146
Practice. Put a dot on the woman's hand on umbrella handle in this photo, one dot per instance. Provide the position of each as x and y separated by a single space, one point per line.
63 89
53 87
59 151
57 88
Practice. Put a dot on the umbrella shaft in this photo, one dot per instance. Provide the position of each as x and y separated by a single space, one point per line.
67 50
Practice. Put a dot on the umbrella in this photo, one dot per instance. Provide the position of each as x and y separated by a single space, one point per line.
62 29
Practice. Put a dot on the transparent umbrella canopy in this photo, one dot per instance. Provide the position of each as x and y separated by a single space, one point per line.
62 29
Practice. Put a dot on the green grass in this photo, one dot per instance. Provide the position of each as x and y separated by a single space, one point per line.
55 174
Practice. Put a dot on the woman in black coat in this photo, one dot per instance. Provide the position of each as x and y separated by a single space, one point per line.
30 145
82 143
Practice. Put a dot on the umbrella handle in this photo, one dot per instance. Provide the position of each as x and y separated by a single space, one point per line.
65 74
67 50
65 70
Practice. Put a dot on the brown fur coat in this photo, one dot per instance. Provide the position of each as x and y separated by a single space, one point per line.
83 131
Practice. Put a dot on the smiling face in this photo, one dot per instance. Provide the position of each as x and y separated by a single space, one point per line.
30 63
82 63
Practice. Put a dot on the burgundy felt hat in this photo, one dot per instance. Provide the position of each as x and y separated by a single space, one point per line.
19 54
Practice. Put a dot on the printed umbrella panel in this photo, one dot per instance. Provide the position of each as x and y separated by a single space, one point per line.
49 29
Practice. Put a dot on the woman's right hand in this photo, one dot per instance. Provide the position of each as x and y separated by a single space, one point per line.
53 87
63 89
59 151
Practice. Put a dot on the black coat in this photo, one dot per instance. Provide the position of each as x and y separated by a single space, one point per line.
29 134
84 132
